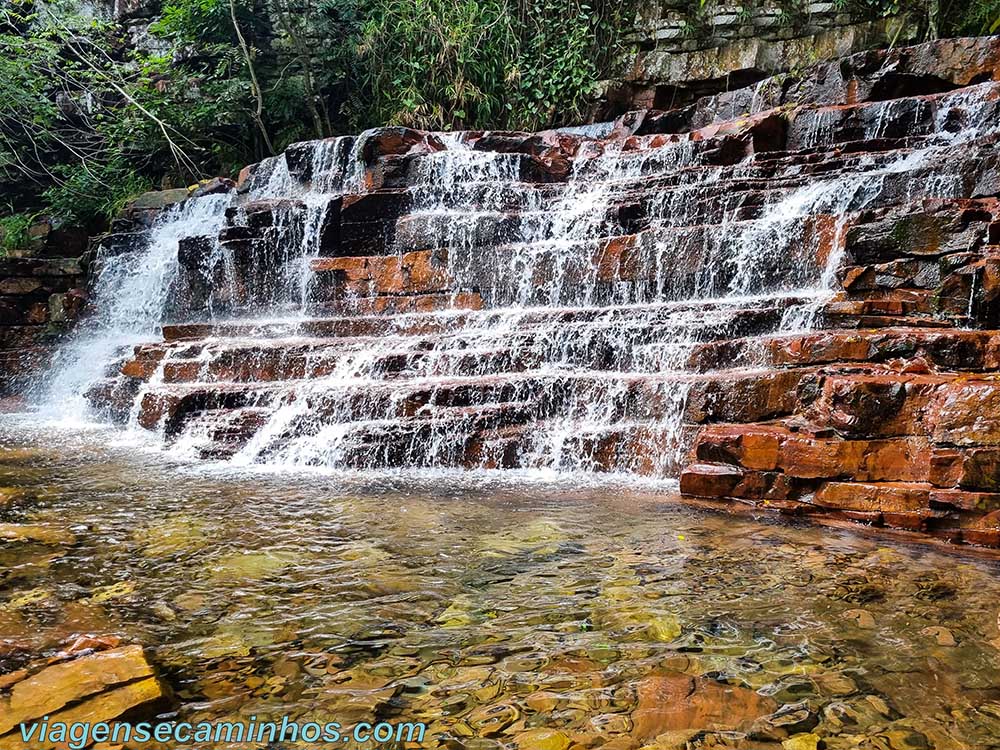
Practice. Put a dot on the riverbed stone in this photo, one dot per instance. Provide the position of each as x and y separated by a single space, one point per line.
806 741
542 739
93 687
674 701
19 532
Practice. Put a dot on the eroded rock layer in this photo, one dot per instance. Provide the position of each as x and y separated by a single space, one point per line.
787 295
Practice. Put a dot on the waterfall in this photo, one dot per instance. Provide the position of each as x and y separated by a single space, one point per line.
485 318
130 296
133 288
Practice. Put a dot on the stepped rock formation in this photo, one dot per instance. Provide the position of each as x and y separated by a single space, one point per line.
785 295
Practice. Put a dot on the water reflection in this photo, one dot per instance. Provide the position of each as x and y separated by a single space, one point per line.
534 616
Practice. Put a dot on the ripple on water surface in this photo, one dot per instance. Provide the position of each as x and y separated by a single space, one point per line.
490 610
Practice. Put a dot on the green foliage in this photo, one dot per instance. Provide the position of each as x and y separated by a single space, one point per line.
68 126
90 119
84 192
486 63
562 58
14 232
949 17
87 120
206 21
971 17
439 63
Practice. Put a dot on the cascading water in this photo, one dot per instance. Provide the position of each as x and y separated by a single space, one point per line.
131 292
134 286
594 292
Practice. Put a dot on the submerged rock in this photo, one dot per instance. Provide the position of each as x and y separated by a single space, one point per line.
119 590
251 566
862 618
540 537
177 534
675 702
942 636
801 742
21 532
30 598
9 496
541 739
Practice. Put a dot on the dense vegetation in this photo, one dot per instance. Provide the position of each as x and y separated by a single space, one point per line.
91 117
94 112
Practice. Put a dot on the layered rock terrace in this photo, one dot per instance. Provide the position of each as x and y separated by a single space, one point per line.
787 295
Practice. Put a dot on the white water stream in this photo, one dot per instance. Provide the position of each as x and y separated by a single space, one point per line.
587 352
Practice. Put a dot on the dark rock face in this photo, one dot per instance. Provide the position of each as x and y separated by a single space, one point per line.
38 296
786 295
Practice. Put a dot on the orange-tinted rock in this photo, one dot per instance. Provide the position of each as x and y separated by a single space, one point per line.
744 398
675 701
617 258
710 480
812 458
908 520
144 363
899 460
397 141
58 689
982 502
982 530
749 446
877 404
945 467
884 497
965 414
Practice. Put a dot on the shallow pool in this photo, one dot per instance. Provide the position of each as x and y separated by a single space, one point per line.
489 609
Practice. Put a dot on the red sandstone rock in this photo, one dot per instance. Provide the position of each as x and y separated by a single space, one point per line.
982 502
964 414
885 497
984 530
674 701
397 141
907 232
744 398
710 480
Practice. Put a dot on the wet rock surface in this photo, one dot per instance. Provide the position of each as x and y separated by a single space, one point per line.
38 297
91 680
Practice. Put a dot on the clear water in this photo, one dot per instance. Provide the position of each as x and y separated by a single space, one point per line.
487 609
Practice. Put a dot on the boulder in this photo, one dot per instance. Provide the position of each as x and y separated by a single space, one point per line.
85 684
